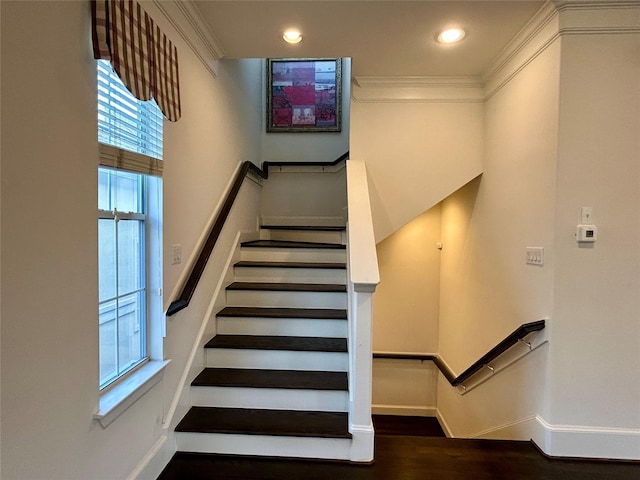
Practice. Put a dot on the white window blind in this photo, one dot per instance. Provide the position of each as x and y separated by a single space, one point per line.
129 130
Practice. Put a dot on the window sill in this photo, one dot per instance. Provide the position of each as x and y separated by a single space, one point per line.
114 402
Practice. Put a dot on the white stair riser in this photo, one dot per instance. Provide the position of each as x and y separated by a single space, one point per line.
276 359
302 236
290 275
268 254
287 299
292 327
270 398
264 445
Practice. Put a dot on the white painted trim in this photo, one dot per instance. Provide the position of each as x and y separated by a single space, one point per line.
117 400
197 344
554 20
404 410
577 441
443 423
192 27
613 443
152 464
420 81
515 430
362 443
414 89
417 354
362 254
508 63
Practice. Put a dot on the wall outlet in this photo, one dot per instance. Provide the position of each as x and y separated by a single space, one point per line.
535 256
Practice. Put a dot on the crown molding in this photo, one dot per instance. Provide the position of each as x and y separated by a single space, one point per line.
598 17
190 24
415 89
554 20
538 33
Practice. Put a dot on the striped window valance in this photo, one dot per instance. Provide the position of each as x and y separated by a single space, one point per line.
141 54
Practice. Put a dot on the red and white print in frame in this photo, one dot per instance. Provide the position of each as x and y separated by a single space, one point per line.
304 95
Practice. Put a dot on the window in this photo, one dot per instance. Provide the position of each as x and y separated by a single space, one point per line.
129 227
123 120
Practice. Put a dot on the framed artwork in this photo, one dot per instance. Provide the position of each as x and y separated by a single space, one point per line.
304 95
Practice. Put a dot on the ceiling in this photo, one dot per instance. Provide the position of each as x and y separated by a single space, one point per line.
383 38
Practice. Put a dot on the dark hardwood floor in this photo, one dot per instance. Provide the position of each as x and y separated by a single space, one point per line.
406 425
402 453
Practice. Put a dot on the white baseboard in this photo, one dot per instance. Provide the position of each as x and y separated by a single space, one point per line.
404 410
362 443
570 441
151 466
587 441
443 423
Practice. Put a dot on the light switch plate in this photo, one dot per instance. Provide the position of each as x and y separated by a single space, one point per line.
535 256
176 254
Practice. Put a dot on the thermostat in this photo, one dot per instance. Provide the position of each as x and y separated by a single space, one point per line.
586 233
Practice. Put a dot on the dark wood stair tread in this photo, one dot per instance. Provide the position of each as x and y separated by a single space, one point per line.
268 342
306 228
265 422
289 244
314 265
270 312
288 287
288 379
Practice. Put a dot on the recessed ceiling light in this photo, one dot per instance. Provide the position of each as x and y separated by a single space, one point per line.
292 36
450 35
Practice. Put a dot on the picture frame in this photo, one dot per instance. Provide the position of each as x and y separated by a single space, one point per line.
304 95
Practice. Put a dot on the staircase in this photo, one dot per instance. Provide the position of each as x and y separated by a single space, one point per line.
275 378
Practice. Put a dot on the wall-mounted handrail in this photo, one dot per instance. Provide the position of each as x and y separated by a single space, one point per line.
483 362
205 252
341 158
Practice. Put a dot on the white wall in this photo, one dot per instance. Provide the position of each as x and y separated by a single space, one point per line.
49 244
406 302
305 197
594 355
487 290
309 147
416 155
405 317
49 247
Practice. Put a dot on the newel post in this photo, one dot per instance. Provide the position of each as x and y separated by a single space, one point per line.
363 280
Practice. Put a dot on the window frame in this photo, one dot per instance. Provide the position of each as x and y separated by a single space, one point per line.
148 165
142 217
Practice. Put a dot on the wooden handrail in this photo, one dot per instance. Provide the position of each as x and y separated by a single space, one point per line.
198 267
521 332
341 158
